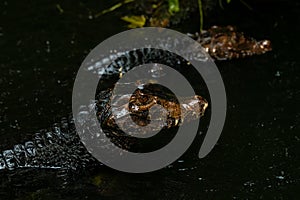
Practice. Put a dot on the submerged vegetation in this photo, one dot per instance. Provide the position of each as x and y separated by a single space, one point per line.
163 13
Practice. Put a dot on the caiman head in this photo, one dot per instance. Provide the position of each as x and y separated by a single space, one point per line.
225 43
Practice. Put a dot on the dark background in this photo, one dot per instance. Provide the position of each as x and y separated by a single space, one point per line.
257 155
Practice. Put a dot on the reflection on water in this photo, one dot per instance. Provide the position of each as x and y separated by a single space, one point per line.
256 156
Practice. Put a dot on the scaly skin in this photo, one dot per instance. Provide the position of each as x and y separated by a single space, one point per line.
226 43
60 147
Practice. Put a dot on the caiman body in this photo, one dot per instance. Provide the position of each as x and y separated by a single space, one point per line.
61 147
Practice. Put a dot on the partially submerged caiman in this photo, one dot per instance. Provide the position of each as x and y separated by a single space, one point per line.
60 146
224 43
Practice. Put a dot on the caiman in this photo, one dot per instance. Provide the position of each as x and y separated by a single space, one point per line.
60 146
225 43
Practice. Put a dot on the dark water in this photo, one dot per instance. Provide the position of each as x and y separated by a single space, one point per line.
257 155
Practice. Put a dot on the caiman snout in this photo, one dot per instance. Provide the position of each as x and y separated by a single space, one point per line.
264 46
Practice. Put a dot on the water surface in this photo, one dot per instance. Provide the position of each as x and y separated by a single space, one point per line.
257 155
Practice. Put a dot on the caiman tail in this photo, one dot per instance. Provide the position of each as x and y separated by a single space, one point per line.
58 147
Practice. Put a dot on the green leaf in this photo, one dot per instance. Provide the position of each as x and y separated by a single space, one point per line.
135 21
174 6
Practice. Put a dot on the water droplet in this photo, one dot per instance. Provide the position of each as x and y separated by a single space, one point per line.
280 177
277 74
